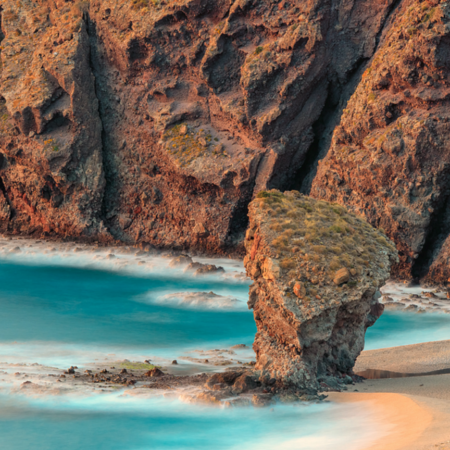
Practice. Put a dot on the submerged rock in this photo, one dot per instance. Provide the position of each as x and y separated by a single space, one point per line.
317 270
208 300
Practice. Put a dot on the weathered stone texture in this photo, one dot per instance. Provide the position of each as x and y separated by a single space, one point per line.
389 159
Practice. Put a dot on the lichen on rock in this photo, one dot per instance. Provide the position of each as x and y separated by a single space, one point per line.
317 270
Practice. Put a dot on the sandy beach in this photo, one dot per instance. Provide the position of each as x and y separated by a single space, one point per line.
415 409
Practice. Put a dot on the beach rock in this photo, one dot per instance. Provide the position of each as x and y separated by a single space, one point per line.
154 373
412 308
208 269
394 306
293 239
193 266
180 261
223 378
244 383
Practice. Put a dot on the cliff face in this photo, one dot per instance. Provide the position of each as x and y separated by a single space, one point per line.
201 104
157 122
317 271
51 171
389 158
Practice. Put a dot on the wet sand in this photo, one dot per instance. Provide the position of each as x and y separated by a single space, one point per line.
417 409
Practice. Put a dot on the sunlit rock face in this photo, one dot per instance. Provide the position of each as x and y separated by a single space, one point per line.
389 157
156 122
51 169
317 270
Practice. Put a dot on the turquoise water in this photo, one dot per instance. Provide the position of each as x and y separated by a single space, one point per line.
110 422
70 311
75 308
395 328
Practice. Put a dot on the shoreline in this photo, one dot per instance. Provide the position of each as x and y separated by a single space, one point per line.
417 408
405 420
413 422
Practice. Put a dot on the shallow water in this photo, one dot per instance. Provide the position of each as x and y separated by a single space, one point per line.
395 328
112 422
66 307
84 308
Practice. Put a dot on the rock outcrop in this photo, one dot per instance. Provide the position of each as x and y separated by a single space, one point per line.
157 122
51 170
197 105
389 158
317 270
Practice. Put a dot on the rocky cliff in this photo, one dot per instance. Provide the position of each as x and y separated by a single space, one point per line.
156 122
317 270
389 157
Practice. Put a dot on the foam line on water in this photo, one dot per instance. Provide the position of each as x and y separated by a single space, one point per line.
174 424
127 260
195 300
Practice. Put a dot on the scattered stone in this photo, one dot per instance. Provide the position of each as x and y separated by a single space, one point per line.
180 261
342 276
154 373
394 306
208 269
412 308
239 346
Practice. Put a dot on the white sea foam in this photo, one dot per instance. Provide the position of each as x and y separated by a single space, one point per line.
283 427
126 260
200 300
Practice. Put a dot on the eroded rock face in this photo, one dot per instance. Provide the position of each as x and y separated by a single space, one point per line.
51 171
317 270
389 159
197 105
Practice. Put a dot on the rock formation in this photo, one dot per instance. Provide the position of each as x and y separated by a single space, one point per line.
157 122
51 170
389 158
317 270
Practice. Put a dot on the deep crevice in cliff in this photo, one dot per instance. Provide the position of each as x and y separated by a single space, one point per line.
5 194
323 128
338 97
437 234
394 5
93 43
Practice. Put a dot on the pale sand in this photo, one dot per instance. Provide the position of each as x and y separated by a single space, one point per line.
416 358
416 409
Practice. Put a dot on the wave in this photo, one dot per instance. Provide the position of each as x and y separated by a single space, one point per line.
200 300
126 260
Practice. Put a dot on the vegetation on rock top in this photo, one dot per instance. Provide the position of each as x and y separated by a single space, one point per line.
313 240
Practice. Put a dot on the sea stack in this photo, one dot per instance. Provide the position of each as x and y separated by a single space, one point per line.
317 270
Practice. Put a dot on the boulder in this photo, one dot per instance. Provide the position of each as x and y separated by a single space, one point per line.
318 290
180 261
154 373
244 383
